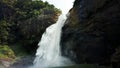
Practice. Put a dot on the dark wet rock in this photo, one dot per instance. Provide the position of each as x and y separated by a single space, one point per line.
91 33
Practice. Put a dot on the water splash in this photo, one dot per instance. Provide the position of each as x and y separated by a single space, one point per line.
49 54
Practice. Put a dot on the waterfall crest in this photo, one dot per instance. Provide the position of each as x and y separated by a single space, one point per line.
48 53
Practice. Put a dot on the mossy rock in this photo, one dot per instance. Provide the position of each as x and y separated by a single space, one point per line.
6 52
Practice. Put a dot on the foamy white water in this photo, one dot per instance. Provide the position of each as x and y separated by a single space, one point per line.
48 53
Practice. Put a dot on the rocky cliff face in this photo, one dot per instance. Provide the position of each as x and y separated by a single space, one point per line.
91 33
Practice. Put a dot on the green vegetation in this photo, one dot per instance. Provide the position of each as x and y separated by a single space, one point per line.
6 52
22 22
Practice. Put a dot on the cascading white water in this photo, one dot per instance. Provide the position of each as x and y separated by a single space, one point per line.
49 54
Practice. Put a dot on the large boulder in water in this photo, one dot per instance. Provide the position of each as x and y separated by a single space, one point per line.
91 33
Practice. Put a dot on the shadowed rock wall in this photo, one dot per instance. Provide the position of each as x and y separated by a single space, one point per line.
91 33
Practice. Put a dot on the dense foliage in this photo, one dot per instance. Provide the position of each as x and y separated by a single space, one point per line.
6 53
23 21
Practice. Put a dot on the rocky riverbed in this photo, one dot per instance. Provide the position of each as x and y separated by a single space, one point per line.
24 62
5 63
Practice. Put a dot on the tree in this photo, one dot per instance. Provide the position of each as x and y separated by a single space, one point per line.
4 32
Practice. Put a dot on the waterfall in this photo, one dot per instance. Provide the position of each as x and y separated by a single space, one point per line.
48 53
